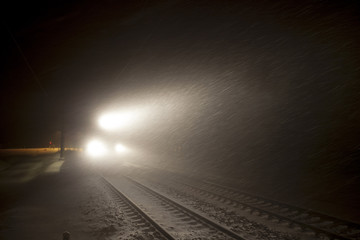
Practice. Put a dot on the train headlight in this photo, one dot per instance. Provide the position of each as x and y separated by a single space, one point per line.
96 148
115 121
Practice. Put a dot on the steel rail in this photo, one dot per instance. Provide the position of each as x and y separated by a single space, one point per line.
317 230
285 205
188 211
138 210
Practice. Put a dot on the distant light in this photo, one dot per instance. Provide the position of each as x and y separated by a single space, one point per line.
119 148
113 121
96 148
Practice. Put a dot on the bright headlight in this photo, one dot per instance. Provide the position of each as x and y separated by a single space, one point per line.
117 120
96 148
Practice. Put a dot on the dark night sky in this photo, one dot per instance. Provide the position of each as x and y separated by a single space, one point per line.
250 80
71 46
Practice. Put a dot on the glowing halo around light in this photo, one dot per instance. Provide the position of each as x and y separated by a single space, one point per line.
113 121
95 148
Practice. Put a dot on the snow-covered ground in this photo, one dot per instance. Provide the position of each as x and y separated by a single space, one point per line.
41 197
65 196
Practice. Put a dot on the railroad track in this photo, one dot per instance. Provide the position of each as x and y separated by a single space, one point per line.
195 225
322 225
138 217
248 228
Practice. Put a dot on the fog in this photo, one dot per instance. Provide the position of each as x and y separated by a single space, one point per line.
264 94
268 101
